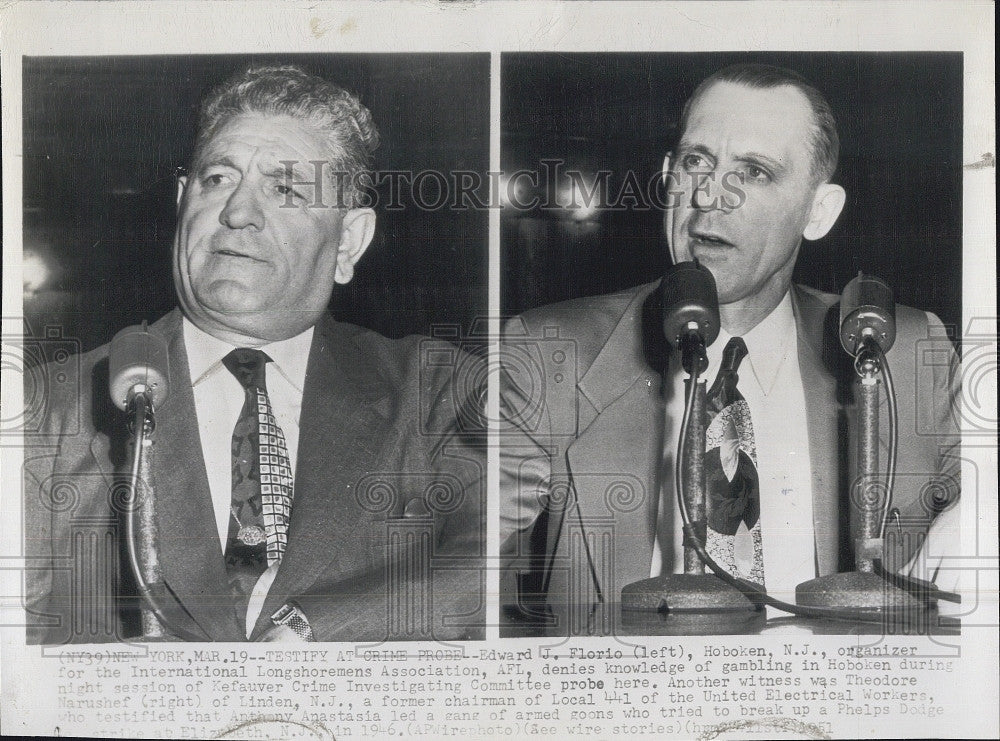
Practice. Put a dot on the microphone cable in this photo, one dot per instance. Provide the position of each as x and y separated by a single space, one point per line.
753 592
918 587
145 590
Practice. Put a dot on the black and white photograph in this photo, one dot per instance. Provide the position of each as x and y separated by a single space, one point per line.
496 369
771 200
244 415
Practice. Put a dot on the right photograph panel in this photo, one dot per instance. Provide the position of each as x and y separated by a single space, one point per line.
731 287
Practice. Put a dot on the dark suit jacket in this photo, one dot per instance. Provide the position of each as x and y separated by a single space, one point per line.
582 400
378 440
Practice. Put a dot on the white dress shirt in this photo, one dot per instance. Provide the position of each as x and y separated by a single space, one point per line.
218 400
771 383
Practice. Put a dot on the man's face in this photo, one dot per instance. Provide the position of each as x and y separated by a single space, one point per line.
251 260
757 141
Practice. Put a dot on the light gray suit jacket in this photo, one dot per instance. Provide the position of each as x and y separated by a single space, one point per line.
583 412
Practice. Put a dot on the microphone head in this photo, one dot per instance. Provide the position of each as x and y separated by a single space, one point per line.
689 295
137 359
867 309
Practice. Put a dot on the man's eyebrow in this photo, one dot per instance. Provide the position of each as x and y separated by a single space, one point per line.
756 158
753 158
278 171
282 171
688 148
221 161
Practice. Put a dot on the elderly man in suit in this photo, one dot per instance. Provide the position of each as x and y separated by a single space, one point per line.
289 444
592 424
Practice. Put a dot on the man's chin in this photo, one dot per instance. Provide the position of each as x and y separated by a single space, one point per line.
729 283
227 310
250 323
719 261
229 297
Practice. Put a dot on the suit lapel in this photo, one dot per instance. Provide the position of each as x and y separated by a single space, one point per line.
626 434
188 545
341 429
824 420
626 437
190 551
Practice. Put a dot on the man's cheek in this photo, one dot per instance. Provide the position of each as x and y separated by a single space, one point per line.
200 213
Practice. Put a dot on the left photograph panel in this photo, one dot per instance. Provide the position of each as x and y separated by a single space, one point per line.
254 371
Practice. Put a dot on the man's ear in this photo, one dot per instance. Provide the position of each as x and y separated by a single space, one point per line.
182 182
828 202
356 232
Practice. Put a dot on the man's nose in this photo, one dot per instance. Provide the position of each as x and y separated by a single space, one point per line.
709 194
242 210
705 191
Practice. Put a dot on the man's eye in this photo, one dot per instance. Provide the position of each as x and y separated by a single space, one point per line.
758 173
286 190
214 180
694 162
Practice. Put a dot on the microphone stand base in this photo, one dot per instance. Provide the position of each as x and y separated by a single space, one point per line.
685 593
856 590
151 628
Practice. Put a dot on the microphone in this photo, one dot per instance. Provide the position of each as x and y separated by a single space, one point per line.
138 381
867 312
138 364
703 603
867 331
690 311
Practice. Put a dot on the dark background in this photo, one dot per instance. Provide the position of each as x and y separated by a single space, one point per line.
102 139
900 122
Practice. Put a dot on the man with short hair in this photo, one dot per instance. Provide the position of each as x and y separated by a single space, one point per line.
750 177
289 443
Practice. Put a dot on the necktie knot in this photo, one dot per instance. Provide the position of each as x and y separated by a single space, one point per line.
247 364
724 391
733 354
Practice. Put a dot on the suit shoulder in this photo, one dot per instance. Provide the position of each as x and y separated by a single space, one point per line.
65 384
410 361
390 358
76 377
430 380
907 317
916 326
68 392
589 316
822 297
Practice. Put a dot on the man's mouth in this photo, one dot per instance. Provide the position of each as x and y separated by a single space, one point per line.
708 239
234 253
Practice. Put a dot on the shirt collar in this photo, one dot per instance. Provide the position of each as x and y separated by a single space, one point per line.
768 345
205 353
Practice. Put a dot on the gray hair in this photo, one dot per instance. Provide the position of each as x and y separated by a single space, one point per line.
350 132
825 141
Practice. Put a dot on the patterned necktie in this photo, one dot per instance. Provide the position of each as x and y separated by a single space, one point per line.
262 480
731 482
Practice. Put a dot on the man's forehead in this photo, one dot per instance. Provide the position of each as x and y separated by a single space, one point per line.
267 138
742 117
